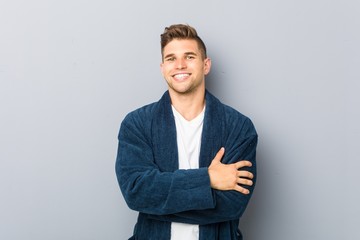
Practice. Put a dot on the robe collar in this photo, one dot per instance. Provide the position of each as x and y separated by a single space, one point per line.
164 133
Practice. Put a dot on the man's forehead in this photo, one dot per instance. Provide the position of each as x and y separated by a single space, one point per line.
183 46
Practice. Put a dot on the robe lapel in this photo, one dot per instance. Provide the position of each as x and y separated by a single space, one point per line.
213 130
164 133
164 136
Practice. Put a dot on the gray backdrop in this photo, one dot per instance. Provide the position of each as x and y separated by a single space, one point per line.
70 70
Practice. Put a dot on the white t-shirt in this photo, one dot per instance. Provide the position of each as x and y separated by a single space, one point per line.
188 142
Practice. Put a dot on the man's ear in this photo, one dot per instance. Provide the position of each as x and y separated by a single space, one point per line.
161 68
207 65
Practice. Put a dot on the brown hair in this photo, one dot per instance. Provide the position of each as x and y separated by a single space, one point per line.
181 31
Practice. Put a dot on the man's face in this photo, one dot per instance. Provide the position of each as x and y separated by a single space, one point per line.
183 66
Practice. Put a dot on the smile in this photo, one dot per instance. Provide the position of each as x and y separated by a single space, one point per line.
181 76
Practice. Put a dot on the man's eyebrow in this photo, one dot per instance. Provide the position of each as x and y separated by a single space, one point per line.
190 53
169 55
186 54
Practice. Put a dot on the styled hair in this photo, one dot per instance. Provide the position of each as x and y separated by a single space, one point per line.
181 31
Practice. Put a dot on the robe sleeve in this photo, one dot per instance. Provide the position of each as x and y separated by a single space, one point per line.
148 190
229 205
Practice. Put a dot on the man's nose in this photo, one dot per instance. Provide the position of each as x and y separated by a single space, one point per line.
180 64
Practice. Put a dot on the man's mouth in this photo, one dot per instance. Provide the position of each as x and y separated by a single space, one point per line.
181 76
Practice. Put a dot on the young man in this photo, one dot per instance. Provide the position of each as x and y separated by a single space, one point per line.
187 162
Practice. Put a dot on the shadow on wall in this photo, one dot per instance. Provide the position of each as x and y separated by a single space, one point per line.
250 221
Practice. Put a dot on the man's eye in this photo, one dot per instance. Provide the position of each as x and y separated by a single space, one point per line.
170 59
190 57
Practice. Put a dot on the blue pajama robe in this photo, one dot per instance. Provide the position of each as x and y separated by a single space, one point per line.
151 183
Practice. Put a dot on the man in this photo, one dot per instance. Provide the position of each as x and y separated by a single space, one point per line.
187 162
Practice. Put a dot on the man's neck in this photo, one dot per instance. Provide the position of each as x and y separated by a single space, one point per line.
188 105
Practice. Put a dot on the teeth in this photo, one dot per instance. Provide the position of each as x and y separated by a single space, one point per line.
181 76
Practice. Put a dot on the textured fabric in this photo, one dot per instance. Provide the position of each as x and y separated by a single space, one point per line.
151 183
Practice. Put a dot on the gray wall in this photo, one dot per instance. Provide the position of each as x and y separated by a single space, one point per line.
70 70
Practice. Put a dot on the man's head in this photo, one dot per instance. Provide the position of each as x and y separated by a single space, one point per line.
181 32
184 62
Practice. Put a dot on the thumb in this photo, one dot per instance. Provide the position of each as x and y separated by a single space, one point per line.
219 155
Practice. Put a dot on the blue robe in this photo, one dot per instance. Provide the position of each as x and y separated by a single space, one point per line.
151 183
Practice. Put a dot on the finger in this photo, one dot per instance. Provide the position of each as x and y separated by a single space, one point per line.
219 155
244 181
245 174
243 163
241 190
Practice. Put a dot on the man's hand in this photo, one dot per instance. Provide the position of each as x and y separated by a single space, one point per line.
228 176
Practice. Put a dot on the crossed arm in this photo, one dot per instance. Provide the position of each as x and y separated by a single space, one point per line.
217 193
227 177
